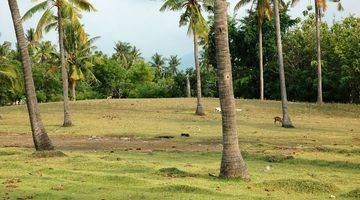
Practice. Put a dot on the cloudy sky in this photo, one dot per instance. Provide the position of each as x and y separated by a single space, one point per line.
140 23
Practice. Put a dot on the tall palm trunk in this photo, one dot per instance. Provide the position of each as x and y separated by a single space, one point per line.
261 63
64 74
232 163
286 117
188 86
40 137
318 40
73 89
199 108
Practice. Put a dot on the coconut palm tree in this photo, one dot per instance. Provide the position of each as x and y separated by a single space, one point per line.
286 122
67 10
40 137
263 8
79 56
197 26
174 62
158 62
232 163
126 54
320 6
44 52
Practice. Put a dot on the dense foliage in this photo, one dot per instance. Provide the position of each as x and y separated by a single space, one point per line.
125 74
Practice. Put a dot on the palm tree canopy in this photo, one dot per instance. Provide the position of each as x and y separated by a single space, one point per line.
174 62
158 62
79 54
262 6
192 15
322 4
70 10
126 54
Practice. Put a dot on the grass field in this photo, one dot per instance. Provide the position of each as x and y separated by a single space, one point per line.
319 159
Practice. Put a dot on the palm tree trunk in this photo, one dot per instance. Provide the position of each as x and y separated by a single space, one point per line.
199 108
261 63
188 86
318 40
73 89
40 137
286 117
232 163
64 74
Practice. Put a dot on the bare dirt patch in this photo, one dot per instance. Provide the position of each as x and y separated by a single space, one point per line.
67 142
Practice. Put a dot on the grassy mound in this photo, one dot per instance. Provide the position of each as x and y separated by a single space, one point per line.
352 194
174 173
6 153
183 189
337 150
277 158
301 186
47 154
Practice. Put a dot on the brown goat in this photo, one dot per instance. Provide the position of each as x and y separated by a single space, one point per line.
278 119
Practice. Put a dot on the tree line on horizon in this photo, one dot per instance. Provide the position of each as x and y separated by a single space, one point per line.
125 74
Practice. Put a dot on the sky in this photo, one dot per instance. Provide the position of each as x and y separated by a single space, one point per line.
140 23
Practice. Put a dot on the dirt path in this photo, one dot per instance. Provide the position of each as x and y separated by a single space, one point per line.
86 143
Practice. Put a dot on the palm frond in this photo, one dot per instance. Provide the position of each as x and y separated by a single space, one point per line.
45 19
240 4
37 8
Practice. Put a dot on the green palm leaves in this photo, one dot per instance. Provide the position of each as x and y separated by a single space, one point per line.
158 62
262 6
79 55
9 73
126 54
192 16
70 10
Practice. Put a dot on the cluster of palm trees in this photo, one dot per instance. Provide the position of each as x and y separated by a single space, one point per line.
159 62
67 19
68 14
67 10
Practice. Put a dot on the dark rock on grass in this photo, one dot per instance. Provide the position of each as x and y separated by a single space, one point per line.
47 154
300 185
354 194
164 137
185 135
174 173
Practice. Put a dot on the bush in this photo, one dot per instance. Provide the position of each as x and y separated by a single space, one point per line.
41 96
151 90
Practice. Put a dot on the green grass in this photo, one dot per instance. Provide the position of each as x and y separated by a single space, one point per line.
319 158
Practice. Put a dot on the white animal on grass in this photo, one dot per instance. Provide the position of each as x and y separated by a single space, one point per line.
218 109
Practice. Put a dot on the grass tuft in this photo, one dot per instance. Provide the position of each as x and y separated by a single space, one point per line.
183 189
277 158
7 153
47 154
337 150
175 173
353 194
301 186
